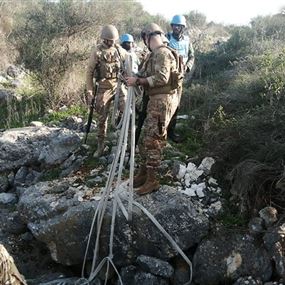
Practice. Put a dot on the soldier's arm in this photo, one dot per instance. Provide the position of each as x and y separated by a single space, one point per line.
136 81
162 69
92 63
161 75
191 58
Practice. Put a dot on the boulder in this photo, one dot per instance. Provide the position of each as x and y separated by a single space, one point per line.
60 214
36 146
227 257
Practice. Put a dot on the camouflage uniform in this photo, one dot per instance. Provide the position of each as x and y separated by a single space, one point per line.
163 101
9 274
143 56
104 65
161 76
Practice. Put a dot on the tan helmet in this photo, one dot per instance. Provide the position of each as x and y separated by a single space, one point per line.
153 29
109 32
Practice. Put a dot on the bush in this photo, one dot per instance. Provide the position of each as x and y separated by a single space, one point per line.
236 98
18 113
54 39
196 19
7 50
269 27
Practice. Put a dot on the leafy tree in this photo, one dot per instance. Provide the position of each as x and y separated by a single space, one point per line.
54 39
196 19
269 27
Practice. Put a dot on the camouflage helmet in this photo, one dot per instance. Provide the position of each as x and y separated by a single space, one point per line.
109 32
153 29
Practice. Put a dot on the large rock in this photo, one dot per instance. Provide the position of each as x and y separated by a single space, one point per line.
35 146
131 275
60 215
275 244
7 96
4 183
229 256
155 266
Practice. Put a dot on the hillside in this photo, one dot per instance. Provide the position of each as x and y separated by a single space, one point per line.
227 216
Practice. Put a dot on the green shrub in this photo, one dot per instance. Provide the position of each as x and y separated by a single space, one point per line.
236 97
27 103
19 113
196 19
54 39
56 117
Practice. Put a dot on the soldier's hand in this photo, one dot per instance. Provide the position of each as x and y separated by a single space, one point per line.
89 97
131 81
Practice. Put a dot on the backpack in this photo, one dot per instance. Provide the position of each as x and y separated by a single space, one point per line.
177 74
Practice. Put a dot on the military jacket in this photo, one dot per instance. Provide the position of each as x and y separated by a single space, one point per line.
104 63
143 56
158 69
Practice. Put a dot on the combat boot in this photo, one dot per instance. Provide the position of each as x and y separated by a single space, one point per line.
140 178
100 149
151 184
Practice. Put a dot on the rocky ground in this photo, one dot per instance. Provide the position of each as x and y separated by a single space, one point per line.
50 187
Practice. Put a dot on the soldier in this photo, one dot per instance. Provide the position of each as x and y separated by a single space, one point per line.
105 64
181 43
142 101
160 81
127 42
9 274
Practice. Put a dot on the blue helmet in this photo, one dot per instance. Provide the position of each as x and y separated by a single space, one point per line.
178 20
126 38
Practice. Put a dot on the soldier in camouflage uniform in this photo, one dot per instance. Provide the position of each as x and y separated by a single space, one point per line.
105 63
9 274
158 77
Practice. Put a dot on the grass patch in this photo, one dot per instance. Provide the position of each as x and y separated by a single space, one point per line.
19 113
58 116
51 174
192 142
231 219
24 103
231 216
